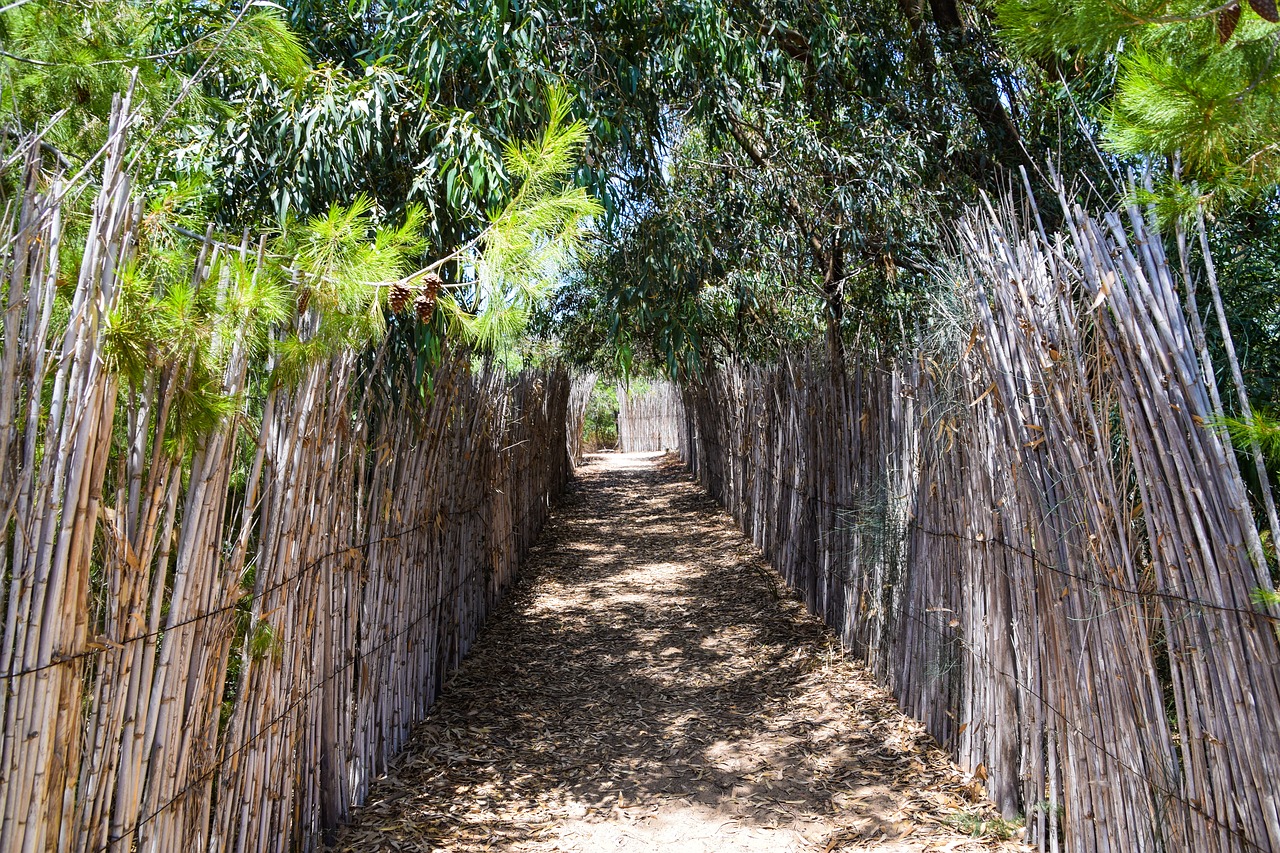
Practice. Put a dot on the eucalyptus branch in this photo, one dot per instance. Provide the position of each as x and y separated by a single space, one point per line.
790 202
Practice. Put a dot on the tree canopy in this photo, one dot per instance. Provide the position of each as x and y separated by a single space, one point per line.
767 174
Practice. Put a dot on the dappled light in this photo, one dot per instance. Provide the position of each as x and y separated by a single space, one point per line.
651 686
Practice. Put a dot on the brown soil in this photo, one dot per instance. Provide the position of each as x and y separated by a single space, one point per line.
648 687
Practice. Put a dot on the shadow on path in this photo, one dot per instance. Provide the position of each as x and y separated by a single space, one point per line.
649 687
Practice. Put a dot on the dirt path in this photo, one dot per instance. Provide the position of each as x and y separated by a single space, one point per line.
648 688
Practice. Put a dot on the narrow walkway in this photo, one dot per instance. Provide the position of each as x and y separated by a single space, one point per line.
649 688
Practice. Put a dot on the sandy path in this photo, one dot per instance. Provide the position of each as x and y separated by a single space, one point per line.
648 687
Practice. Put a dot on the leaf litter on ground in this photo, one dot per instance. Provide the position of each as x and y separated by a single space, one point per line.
651 685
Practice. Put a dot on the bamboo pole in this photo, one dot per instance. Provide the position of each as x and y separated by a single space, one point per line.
380 529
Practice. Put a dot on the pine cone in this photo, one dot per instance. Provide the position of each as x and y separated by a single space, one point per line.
304 299
1227 20
1266 9
425 305
399 296
432 283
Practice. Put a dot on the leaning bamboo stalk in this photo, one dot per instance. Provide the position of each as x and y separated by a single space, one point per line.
47 617
1242 396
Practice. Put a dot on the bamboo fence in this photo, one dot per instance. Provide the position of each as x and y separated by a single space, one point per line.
649 419
579 399
1035 539
193 660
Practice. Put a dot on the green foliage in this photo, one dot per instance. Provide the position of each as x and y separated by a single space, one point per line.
263 641
1260 428
334 271
866 122
342 254
165 324
70 58
73 57
716 267
527 244
817 149
297 148
600 427
417 103
1179 89
843 128
759 176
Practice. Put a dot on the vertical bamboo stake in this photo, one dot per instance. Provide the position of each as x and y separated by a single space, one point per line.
1246 411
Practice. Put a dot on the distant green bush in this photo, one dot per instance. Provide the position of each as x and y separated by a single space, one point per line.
600 430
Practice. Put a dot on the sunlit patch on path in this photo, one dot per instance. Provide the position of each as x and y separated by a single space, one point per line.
649 687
